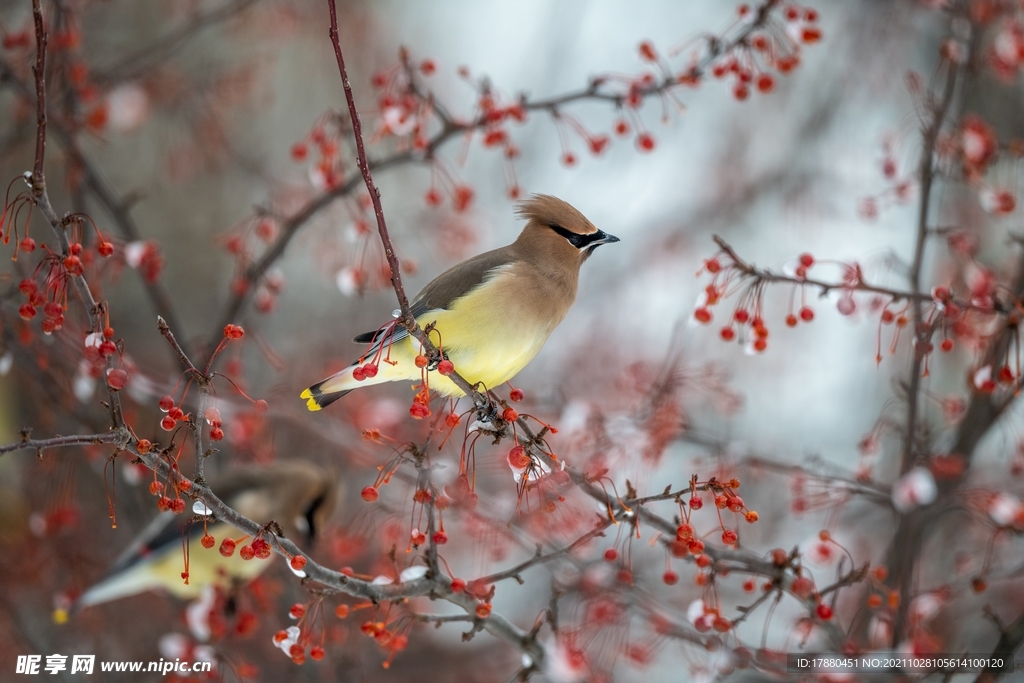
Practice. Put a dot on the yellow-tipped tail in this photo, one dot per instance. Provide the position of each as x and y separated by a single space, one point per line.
311 403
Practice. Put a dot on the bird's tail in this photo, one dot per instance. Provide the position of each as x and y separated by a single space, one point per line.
327 391
136 580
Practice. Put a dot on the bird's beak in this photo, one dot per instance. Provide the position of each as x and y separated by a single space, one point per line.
604 238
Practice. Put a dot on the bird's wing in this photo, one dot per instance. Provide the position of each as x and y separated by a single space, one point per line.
158 533
443 290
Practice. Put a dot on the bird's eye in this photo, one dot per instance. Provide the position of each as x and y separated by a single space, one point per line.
576 240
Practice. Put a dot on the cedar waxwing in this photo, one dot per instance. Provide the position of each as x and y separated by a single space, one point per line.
493 312
298 495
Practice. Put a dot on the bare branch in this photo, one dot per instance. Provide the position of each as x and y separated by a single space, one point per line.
40 445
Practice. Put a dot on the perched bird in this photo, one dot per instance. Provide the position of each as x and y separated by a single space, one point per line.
492 313
298 495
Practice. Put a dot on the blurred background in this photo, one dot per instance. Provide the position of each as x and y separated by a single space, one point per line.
192 122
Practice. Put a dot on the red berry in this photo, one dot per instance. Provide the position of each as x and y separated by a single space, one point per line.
299 151
802 587
369 370
177 506
515 395
765 83
216 434
208 541
433 197
645 142
72 264
370 493
227 549
462 198
611 555
27 311
727 334
446 367
440 537
509 415
261 548
27 245
342 611
105 248
233 331
791 320
647 51
316 653
824 612
419 411
421 361
811 34
729 537
358 374
806 314
670 578
117 378
246 552
144 446
298 609
518 459
696 503
703 315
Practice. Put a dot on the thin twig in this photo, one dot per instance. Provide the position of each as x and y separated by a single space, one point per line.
860 286
40 445
382 229
921 331
542 558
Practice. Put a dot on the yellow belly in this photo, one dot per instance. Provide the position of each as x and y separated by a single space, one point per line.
489 337
206 566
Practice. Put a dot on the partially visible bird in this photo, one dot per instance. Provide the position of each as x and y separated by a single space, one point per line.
297 494
492 313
